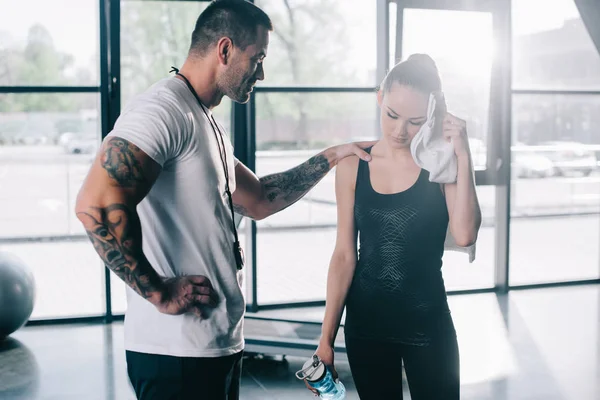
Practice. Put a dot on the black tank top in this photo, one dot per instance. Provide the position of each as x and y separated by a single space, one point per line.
398 292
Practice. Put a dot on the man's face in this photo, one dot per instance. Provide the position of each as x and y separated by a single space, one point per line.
245 68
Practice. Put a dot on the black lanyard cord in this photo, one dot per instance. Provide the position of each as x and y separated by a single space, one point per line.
221 144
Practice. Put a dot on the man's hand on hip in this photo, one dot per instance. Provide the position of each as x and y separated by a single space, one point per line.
187 294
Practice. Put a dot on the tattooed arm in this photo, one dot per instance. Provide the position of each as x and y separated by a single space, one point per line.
258 198
120 177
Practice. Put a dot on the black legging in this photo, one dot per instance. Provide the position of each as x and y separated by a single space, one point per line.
432 371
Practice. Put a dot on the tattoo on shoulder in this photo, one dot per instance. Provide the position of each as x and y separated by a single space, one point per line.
119 160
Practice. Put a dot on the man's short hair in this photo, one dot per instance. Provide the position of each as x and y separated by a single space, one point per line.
235 19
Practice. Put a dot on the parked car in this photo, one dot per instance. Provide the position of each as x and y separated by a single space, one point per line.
80 143
571 157
531 165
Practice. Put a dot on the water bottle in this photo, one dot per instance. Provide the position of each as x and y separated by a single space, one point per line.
319 377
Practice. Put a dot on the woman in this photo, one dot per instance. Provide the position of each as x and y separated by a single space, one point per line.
396 306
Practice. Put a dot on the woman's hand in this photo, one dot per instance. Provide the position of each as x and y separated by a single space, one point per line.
455 130
326 354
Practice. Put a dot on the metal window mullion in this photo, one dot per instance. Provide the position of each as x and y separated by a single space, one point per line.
110 60
314 89
500 130
551 92
254 305
50 89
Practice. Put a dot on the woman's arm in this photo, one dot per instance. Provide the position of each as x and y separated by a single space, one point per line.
461 197
343 260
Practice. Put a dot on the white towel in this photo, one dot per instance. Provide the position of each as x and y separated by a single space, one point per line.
432 152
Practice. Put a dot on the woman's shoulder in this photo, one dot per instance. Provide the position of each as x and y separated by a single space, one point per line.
347 169
349 163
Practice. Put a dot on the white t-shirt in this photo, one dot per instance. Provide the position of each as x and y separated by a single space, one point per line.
186 223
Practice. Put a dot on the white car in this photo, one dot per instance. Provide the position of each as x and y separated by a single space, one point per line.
531 165
80 143
569 157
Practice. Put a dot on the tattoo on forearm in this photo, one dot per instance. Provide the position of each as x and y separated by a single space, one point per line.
291 185
119 160
115 232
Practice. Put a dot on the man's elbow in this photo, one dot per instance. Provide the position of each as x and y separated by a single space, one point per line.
259 209
85 203
82 207
82 203
258 212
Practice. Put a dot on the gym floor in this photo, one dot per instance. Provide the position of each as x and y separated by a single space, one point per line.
535 344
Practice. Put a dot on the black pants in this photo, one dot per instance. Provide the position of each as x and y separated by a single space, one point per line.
432 371
157 377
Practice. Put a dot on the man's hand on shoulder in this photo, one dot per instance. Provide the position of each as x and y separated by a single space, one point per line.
337 153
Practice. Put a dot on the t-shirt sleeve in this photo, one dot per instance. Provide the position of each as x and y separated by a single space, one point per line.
156 128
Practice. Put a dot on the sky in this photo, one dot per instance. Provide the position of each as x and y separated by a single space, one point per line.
79 35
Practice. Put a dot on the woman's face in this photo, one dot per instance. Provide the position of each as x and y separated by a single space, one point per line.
403 112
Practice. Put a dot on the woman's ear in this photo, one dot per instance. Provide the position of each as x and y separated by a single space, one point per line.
379 97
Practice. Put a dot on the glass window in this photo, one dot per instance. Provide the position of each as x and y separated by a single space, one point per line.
39 46
393 16
555 197
69 277
304 121
554 249
461 44
155 35
555 192
551 47
302 237
458 273
320 43
47 142
544 119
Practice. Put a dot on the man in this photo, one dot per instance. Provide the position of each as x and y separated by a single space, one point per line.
156 205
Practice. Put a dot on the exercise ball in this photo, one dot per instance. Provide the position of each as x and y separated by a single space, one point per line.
17 294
